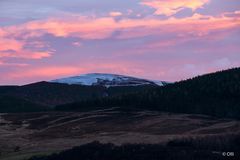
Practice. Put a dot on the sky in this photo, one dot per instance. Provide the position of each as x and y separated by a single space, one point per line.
169 40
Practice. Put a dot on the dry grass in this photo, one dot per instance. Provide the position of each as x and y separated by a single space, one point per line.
55 131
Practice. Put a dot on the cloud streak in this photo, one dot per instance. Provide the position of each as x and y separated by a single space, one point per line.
102 28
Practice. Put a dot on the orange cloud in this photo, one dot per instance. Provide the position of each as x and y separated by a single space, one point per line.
102 28
197 25
82 27
172 7
115 14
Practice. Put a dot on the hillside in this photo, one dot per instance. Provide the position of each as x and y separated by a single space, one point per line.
216 94
49 95
13 104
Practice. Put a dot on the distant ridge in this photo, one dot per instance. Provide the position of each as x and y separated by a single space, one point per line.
46 95
107 80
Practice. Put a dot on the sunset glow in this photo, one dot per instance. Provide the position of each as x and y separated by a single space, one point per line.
154 39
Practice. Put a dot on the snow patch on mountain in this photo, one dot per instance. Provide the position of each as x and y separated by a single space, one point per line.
107 80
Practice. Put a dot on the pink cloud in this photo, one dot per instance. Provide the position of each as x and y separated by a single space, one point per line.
115 14
13 48
10 44
180 69
197 25
2 63
185 29
46 72
83 27
26 54
102 28
2 32
172 7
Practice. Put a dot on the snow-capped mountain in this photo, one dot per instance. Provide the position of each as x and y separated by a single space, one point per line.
107 80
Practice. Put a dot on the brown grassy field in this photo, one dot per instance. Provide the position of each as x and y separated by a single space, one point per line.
26 134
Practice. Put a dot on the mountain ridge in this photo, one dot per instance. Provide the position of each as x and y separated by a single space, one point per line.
50 94
107 80
215 94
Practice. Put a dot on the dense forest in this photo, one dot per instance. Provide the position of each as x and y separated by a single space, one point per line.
216 94
207 148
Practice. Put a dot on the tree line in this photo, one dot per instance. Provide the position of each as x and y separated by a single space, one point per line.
216 94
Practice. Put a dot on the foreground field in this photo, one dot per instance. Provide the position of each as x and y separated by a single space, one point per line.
27 134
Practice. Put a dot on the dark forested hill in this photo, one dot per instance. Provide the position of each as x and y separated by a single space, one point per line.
13 104
216 94
49 95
